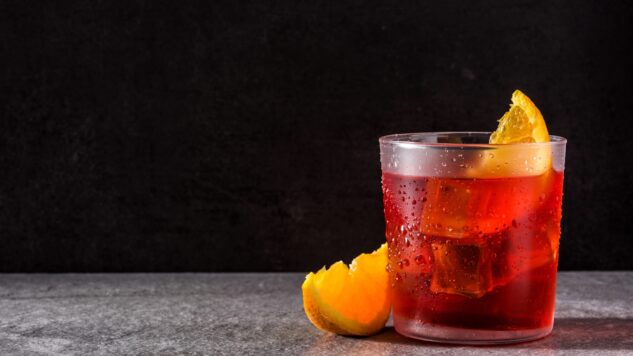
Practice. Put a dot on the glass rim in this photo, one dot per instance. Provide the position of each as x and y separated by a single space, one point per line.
404 139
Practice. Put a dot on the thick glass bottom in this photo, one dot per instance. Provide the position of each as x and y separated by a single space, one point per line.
452 335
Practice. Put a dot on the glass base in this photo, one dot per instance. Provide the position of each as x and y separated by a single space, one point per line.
450 335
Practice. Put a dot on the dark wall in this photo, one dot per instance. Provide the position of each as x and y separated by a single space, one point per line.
235 136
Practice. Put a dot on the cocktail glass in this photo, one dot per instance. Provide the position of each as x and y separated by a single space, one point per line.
473 232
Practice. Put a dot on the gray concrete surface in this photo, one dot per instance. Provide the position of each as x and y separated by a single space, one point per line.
235 314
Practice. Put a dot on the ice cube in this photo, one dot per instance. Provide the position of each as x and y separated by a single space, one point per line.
461 208
521 248
462 268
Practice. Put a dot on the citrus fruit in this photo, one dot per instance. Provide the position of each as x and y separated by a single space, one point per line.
523 123
350 300
508 156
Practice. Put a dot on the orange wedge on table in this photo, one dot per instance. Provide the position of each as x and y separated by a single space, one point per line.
350 300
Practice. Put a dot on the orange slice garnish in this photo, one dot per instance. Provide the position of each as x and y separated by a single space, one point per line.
523 123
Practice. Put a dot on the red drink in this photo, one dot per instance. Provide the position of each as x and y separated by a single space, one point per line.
473 253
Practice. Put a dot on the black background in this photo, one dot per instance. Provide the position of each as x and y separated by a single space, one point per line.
242 136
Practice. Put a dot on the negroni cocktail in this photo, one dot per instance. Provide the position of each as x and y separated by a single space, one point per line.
473 232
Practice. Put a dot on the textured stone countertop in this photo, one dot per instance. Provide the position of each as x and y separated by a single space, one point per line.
259 314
